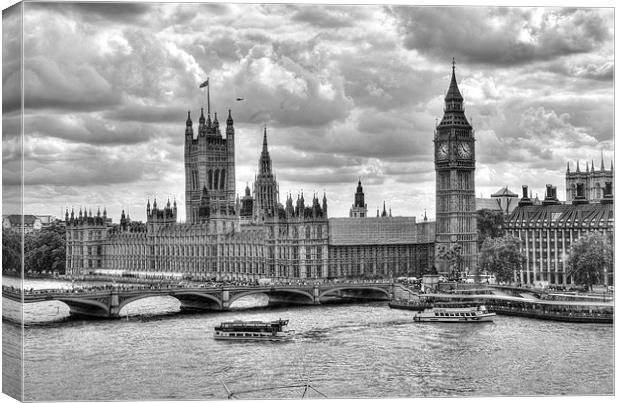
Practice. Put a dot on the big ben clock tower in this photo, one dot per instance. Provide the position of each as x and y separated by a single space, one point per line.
455 166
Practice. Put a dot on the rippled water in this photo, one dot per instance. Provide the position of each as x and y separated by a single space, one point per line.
364 350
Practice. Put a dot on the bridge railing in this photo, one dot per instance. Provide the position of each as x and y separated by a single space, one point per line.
106 289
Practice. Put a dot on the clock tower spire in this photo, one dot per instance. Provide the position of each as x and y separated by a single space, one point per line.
455 191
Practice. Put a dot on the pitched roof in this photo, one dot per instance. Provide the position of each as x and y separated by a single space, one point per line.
504 192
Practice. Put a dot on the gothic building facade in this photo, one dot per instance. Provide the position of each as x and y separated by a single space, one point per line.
210 164
592 180
257 236
455 165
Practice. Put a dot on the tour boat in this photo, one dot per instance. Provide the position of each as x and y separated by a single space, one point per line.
454 313
252 330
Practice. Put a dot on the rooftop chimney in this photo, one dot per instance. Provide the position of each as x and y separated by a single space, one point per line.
581 197
551 196
608 197
525 200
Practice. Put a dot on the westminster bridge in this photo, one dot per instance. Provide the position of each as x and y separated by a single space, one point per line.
107 301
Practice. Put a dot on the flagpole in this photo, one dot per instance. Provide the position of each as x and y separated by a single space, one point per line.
208 98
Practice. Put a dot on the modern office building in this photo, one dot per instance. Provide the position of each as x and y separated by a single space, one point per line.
548 230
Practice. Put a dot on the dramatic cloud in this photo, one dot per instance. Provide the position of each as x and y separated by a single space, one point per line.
503 36
346 92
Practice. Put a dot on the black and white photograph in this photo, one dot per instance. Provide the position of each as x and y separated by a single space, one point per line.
213 200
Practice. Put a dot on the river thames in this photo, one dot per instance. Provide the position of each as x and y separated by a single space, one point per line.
346 351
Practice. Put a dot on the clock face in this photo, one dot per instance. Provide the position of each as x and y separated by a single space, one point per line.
463 150
442 151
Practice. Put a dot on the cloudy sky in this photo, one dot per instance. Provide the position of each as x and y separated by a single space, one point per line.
346 92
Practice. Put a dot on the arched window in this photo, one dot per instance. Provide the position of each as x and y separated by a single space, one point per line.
223 176
210 180
216 177
195 179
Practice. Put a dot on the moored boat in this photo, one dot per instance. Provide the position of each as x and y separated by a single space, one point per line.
454 313
252 330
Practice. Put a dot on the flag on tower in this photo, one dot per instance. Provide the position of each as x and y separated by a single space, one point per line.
204 84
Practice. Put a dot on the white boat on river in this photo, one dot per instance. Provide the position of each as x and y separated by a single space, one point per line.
454 313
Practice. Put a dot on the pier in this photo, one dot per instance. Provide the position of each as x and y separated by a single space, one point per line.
527 304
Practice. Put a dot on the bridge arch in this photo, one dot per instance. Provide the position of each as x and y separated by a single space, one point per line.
188 299
86 307
355 288
273 292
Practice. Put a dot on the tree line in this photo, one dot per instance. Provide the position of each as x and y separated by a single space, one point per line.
43 251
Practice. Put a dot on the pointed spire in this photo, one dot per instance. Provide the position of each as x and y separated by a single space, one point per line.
592 166
188 122
567 167
425 218
201 120
229 121
265 159
453 91
587 167
578 166
602 162
215 121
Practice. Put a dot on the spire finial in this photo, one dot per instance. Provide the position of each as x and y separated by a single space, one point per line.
602 162
453 64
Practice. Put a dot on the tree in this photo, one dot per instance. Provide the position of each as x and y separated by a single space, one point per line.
588 258
11 252
502 257
452 257
45 250
490 225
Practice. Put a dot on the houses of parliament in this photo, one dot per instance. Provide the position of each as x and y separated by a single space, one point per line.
225 237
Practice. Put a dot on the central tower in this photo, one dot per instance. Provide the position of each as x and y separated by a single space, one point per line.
455 191
210 165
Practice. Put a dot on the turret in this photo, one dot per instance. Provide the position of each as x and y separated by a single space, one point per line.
201 122
189 130
66 214
324 205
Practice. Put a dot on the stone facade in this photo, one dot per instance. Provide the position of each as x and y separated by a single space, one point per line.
593 181
380 247
210 164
